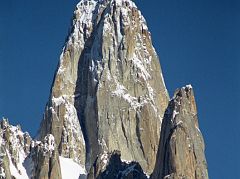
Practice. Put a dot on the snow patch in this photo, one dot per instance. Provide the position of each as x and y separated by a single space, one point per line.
104 158
61 69
151 93
58 101
163 81
175 113
144 26
2 173
49 143
1 141
20 171
71 170
189 86
198 130
144 73
16 154
121 92
126 161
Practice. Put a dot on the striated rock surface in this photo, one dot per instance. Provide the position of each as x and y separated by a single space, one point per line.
109 165
181 148
108 93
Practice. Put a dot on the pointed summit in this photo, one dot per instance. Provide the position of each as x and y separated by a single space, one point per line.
108 108
181 148
108 93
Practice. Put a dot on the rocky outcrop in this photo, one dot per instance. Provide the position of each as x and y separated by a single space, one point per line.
108 93
61 121
14 148
181 148
44 159
109 165
4 164
22 157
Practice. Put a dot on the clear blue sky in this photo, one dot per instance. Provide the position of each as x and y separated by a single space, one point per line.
198 43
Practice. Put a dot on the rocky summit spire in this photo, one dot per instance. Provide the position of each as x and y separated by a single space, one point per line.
104 115
181 148
108 93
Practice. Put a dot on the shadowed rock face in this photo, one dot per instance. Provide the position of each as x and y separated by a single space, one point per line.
109 165
108 93
181 148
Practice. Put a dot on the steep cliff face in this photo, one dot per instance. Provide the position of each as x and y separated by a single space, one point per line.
181 148
108 93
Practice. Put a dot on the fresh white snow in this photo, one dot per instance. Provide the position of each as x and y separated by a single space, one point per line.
16 136
139 64
175 113
58 101
121 92
189 86
14 171
49 143
2 173
71 170
104 158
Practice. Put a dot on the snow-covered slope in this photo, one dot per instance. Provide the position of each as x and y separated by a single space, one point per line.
71 169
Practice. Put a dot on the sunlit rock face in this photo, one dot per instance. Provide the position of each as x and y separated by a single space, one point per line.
108 93
181 148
